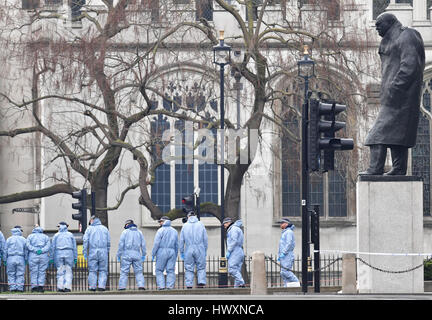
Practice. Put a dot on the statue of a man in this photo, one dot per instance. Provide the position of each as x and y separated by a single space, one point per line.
402 64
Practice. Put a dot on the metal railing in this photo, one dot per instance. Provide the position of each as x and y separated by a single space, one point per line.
330 266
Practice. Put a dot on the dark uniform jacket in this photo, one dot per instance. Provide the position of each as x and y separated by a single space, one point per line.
402 64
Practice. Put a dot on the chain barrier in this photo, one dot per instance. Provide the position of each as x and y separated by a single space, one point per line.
320 269
428 255
389 271
278 264
363 261
331 263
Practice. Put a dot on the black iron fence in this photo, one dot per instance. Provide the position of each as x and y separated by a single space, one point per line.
330 266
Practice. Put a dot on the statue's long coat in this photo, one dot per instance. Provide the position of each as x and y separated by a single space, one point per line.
402 64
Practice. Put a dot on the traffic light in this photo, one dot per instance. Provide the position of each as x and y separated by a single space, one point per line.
314 218
321 134
81 206
188 203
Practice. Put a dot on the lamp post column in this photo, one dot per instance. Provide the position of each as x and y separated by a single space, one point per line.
221 57
305 192
222 156
305 71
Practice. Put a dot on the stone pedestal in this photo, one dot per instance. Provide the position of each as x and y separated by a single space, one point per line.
389 221
258 279
349 283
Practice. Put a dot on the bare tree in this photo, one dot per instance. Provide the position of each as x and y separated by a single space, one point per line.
272 45
81 82
86 80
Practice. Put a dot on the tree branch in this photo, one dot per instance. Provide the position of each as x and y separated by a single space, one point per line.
42 193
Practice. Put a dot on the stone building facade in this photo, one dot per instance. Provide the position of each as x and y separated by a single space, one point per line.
271 187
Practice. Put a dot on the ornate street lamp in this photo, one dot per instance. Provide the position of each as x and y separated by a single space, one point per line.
222 57
306 70
221 52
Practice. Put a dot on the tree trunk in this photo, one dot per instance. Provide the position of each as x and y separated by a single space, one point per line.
100 188
233 190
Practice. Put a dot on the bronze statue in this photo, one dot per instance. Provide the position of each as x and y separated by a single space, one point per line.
402 64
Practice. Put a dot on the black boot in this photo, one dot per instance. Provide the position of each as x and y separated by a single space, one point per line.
378 153
399 156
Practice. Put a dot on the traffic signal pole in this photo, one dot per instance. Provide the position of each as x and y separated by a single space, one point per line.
312 127
223 277
197 206
315 214
320 136
304 190
93 203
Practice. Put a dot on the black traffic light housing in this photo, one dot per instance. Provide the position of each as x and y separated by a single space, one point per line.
81 206
188 203
321 134
192 203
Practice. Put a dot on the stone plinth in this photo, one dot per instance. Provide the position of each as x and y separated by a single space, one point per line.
349 273
389 221
258 279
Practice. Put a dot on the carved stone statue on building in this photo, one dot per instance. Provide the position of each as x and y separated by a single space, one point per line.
402 64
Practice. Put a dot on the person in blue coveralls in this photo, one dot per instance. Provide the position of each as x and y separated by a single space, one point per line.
38 245
16 257
165 250
131 251
234 252
193 250
286 253
96 247
64 255
2 246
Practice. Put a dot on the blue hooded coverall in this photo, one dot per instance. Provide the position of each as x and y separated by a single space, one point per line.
131 251
2 246
235 254
193 246
286 255
2 255
64 252
96 246
165 249
16 256
38 245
